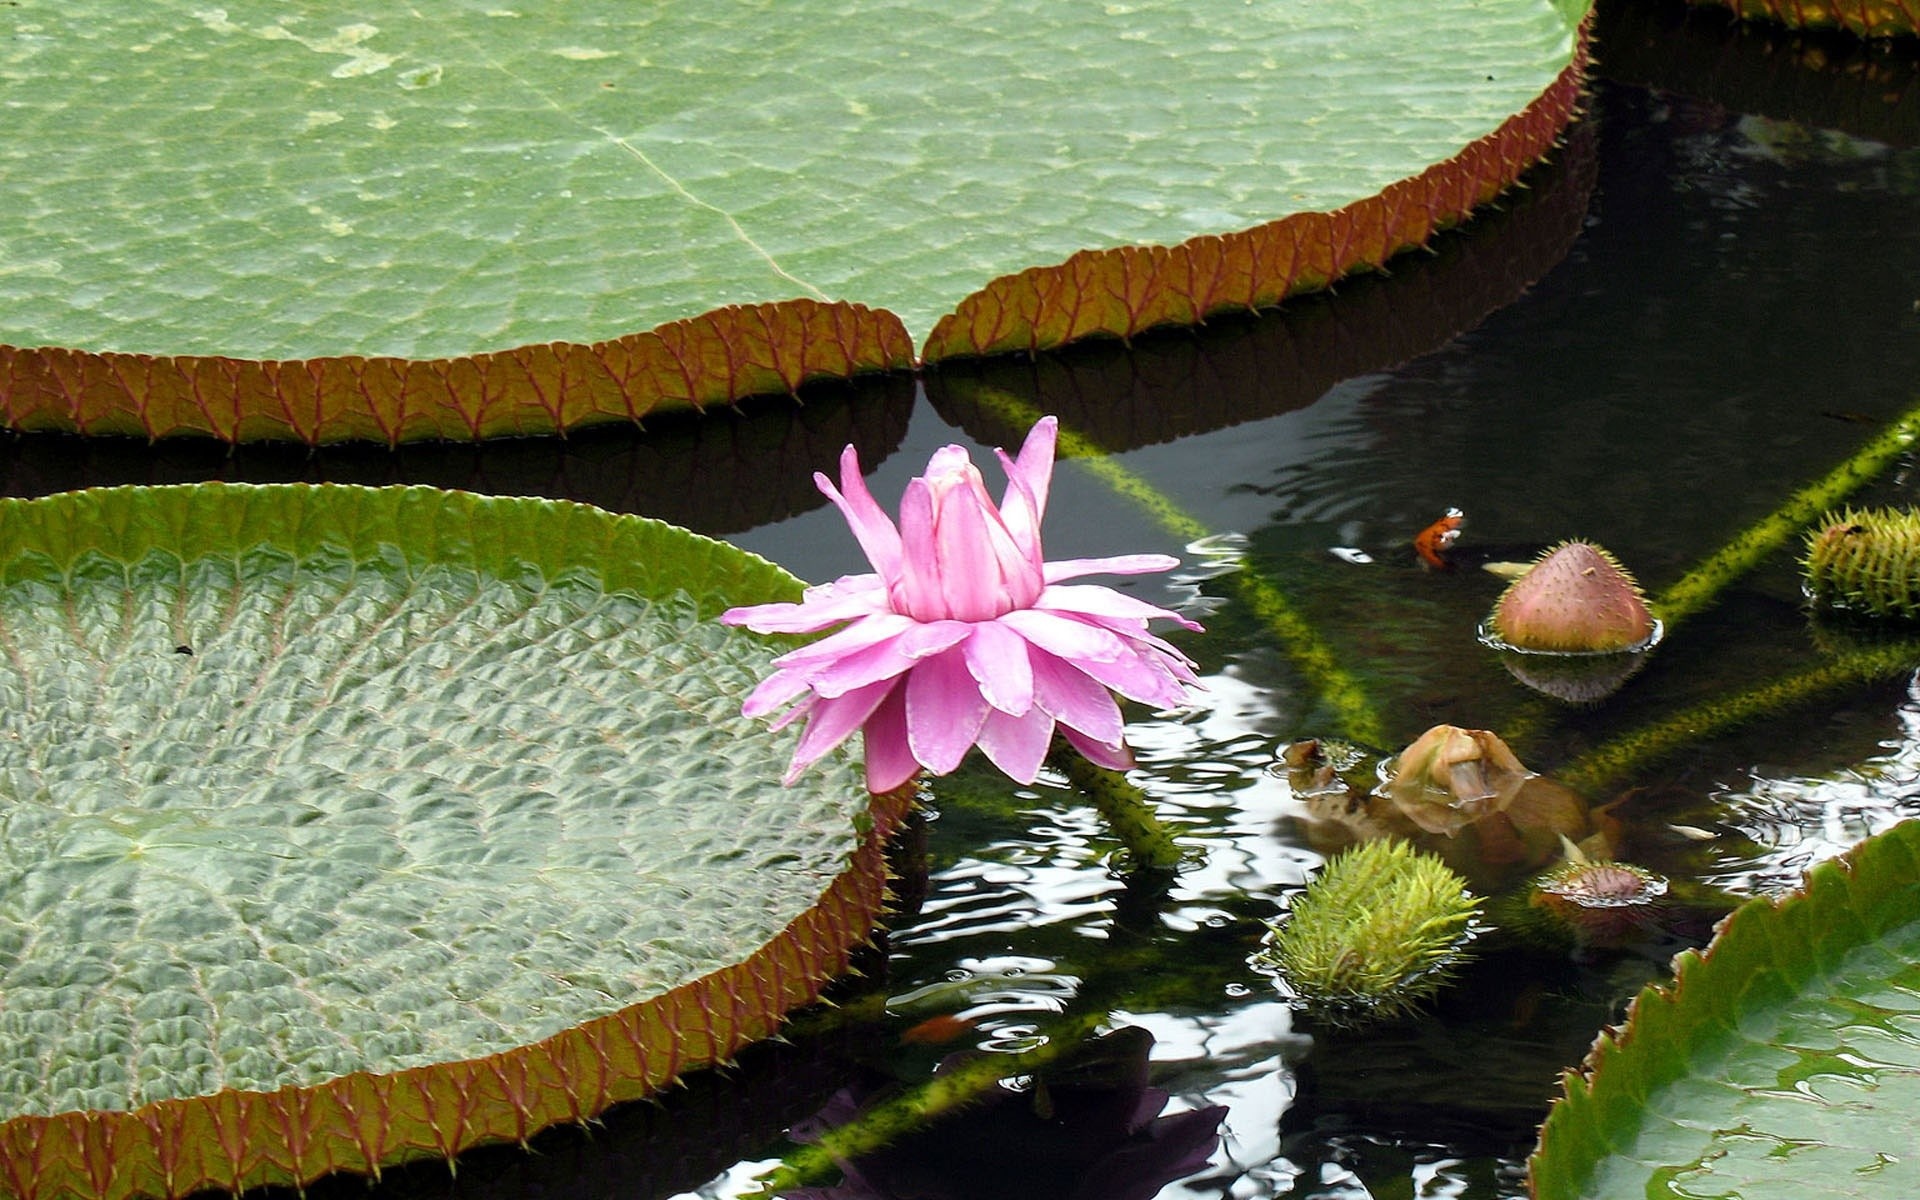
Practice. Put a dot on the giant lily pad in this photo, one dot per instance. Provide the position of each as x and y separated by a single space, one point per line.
340 826
1784 1062
1161 388
462 220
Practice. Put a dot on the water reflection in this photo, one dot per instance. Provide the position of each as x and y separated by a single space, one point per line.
1720 312
1867 89
1085 1127
1653 391
730 471
1776 825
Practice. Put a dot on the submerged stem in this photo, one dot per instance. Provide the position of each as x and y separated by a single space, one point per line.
1126 809
1698 588
955 1087
1623 755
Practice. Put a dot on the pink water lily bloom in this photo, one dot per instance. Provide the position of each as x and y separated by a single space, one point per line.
965 635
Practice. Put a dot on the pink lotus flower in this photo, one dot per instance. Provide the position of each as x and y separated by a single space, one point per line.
965 635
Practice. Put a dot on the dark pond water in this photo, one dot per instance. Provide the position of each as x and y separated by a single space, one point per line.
1708 300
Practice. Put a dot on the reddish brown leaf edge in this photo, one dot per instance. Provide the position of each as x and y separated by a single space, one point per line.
365 1122
1124 291
1862 18
731 353
553 387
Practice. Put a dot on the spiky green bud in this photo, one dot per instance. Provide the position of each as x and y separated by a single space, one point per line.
1375 934
1867 560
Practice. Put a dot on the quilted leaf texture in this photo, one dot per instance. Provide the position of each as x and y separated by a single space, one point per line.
1130 289
1783 1062
448 221
347 826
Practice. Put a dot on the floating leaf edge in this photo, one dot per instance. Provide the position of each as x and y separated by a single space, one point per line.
1124 291
1670 1029
738 351
366 1121
718 357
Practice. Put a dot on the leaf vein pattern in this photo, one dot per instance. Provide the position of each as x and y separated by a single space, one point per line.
679 189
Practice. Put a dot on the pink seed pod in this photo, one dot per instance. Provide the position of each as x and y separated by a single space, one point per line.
1577 599
1603 903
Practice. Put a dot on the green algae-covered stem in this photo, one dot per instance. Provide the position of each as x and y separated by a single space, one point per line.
1126 809
1698 588
1622 756
1338 688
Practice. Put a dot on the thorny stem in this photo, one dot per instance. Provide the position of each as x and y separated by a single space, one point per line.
1620 757
1700 587
952 1089
1126 809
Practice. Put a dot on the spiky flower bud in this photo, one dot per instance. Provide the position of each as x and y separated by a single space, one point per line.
1601 902
1576 599
1375 934
1868 560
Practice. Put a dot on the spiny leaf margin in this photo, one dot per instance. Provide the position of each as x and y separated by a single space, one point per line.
715 358
1127 290
1763 954
365 1121
1167 388
556 387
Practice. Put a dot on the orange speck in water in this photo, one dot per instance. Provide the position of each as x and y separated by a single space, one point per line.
1433 542
937 1031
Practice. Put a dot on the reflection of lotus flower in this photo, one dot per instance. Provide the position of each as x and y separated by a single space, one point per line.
965 635
1088 1127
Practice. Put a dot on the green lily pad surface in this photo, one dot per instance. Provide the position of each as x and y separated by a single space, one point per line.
305 784
1783 1063
270 182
